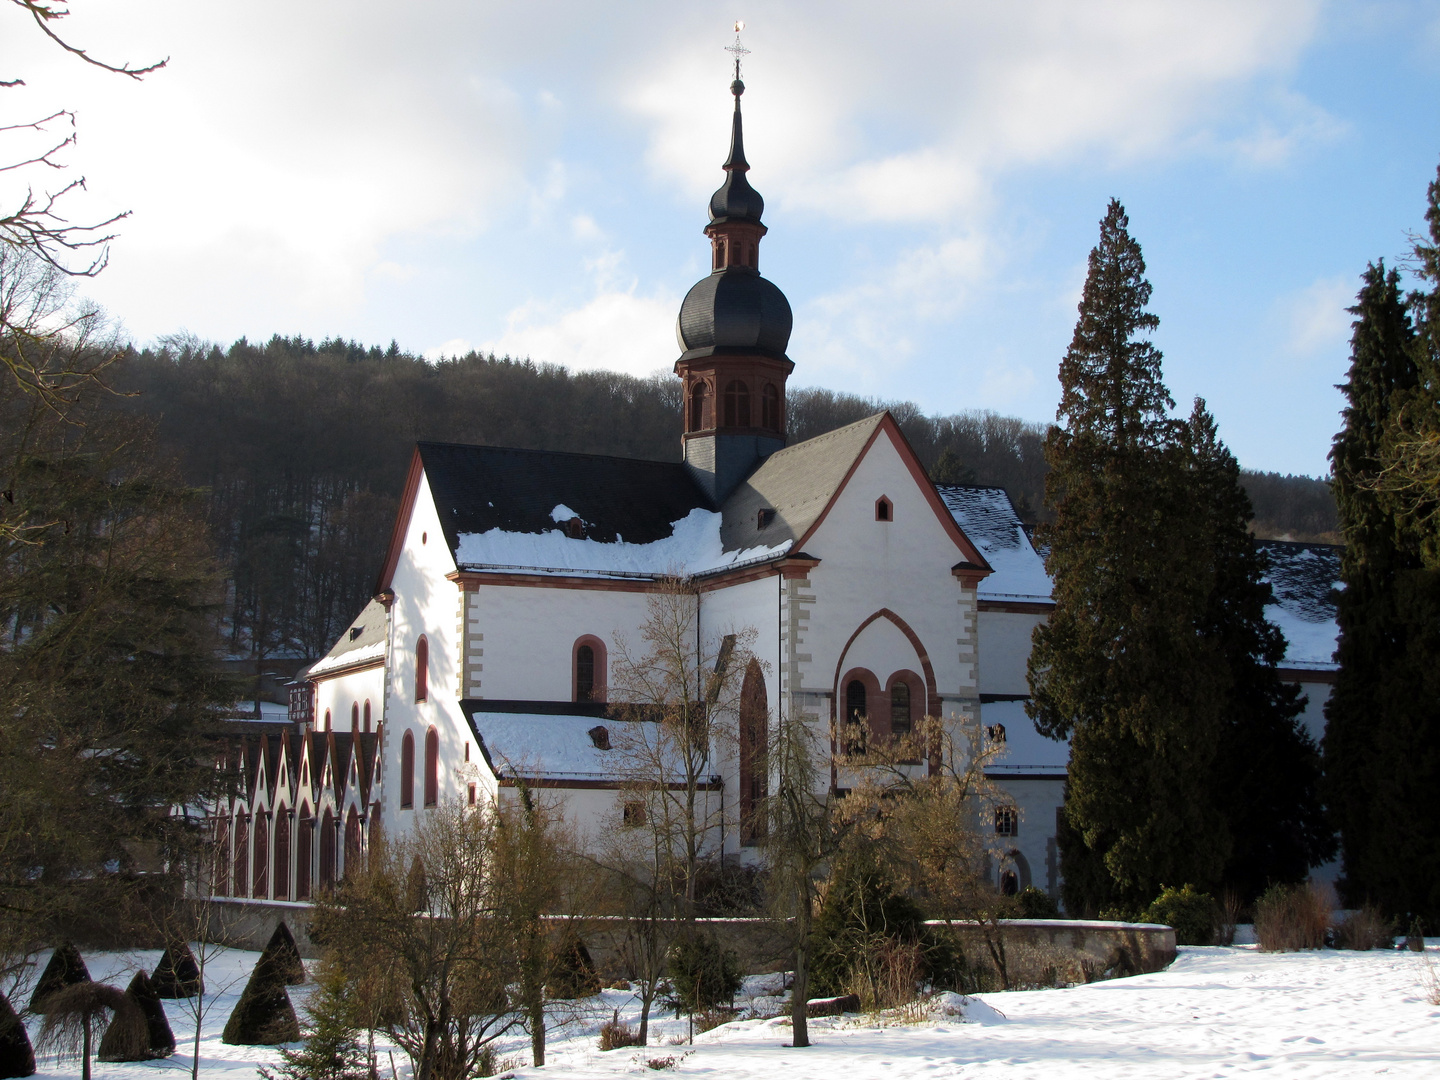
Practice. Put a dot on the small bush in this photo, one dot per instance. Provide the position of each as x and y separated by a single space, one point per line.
572 971
1415 936
66 968
661 1063
1364 930
704 974
1035 904
1229 918
17 1056
284 954
890 977
1289 918
162 1039
615 1033
177 975
263 1016
1193 914
709 1019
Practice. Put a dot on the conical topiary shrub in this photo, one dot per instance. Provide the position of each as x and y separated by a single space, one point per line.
572 972
66 968
177 975
161 1041
73 1018
263 1016
282 951
17 1056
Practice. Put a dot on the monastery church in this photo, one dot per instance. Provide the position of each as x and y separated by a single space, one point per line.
512 576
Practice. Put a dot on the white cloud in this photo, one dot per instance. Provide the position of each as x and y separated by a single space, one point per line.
1316 319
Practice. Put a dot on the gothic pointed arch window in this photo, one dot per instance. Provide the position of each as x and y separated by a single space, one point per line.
352 843
432 767
366 714
354 718
222 855
242 854
697 405
422 669
737 404
327 851
304 853
770 408
261 875
282 853
407 771
754 723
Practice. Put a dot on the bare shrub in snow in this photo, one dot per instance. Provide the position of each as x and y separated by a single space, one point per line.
615 1033
1364 930
1292 917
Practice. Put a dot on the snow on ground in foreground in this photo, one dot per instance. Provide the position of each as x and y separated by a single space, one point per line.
1215 1012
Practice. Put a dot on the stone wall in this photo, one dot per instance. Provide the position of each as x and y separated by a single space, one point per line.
1073 951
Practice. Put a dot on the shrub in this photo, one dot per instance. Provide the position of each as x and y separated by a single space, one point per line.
17 1056
709 1019
162 1039
1035 904
1193 914
66 968
703 973
331 1050
1289 918
177 975
73 1014
1229 918
860 913
1364 930
661 1063
282 952
263 1016
890 977
615 1033
572 972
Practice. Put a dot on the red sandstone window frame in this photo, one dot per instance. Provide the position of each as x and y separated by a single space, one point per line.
432 767
600 670
407 771
422 669
884 509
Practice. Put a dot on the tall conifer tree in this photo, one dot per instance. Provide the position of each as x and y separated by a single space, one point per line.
1119 667
1267 768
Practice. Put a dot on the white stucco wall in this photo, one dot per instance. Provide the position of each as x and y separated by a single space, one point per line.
1005 650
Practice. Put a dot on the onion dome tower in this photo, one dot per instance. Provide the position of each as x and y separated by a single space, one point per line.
733 329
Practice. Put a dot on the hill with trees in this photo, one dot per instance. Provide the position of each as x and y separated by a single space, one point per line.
301 450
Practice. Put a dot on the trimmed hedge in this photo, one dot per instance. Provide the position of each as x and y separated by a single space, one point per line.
66 968
282 951
17 1056
263 1016
177 975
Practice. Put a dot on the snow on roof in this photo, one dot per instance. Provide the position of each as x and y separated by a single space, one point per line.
987 517
362 641
1026 750
1303 578
563 513
693 547
551 747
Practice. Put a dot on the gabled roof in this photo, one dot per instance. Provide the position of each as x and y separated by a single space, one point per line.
362 642
1304 579
988 517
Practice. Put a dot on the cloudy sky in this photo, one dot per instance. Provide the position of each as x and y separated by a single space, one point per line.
531 178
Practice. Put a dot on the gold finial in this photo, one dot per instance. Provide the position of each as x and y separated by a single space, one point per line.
737 50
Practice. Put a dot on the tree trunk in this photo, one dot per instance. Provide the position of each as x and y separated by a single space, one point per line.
537 1028
800 994
645 999
85 1052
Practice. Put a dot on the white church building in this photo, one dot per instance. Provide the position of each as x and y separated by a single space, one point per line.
513 576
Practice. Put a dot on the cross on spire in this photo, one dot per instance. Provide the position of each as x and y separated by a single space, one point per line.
737 50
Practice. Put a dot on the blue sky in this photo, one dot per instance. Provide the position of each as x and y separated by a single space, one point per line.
532 178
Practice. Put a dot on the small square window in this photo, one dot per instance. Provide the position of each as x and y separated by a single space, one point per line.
633 815
1007 821
471 794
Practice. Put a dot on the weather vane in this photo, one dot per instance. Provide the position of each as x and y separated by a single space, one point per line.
737 50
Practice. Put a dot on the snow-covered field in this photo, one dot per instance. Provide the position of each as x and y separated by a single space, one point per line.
1215 1012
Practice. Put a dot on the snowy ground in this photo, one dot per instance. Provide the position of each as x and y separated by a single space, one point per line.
1215 1012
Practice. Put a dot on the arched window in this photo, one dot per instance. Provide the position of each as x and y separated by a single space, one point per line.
327 851
407 771
261 875
697 406
304 853
354 718
327 721
375 826
282 854
770 408
242 855
857 717
1009 883
222 855
588 669
432 767
366 728
754 719
422 668
352 843
900 709
884 509
737 404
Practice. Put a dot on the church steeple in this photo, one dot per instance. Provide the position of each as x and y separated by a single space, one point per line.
733 329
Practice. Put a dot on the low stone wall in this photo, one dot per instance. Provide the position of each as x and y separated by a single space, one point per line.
1075 951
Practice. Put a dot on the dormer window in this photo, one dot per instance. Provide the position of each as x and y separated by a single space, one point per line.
600 736
575 529
356 631
764 518
884 509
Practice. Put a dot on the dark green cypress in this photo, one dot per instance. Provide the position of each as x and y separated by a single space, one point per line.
1119 667
1267 768
1376 674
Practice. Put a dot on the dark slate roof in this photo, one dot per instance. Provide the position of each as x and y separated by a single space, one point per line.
736 200
367 630
798 483
734 311
479 488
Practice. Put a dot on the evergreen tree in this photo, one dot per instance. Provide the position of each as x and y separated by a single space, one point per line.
1267 768
1378 677
1119 667
331 1050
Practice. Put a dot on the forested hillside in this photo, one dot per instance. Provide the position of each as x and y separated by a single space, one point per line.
302 449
